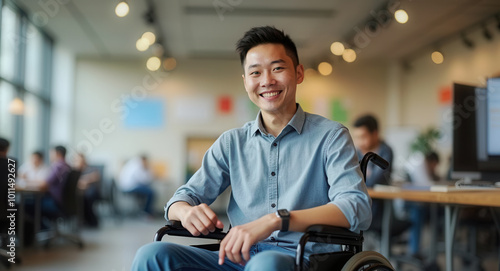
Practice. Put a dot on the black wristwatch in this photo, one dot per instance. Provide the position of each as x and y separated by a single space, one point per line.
284 214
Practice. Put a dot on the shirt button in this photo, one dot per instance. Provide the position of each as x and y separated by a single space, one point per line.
273 174
275 144
273 239
273 205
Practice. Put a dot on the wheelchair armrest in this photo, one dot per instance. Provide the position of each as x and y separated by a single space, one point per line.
175 228
328 234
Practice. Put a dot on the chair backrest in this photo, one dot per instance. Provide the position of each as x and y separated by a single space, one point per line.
70 198
374 158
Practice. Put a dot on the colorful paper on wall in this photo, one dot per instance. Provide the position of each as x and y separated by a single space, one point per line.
148 113
225 105
339 112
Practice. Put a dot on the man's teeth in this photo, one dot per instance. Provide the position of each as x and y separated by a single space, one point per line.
269 94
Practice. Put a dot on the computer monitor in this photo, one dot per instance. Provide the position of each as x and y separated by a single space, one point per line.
488 131
464 151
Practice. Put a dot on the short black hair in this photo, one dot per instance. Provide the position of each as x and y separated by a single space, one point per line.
4 144
60 150
39 154
368 121
264 35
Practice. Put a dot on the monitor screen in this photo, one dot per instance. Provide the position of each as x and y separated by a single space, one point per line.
493 117
465 155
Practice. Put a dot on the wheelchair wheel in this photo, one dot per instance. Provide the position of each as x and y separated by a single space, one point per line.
368 261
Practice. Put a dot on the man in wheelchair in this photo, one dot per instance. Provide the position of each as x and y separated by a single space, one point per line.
287 169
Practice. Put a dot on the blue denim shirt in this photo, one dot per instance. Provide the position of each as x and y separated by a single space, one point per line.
312 162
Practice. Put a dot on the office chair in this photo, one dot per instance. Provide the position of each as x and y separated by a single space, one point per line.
350 258
71 211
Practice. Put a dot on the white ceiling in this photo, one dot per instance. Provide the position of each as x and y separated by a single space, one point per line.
201 28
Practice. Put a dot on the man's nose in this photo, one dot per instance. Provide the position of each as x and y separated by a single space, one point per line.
267 79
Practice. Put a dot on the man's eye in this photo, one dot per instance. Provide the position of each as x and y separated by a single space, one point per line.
278 68
254 73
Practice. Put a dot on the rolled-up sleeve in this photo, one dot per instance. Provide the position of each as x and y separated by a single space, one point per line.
347 188
209 181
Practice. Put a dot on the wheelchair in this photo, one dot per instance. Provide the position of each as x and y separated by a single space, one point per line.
350 258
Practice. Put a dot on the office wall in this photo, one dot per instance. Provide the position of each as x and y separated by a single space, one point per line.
100 84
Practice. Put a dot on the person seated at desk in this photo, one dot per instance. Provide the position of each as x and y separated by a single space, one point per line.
89 183
287 169
136 178
421 170
35 172
54 184
367 139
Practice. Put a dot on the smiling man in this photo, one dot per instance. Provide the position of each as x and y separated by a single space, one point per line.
287 169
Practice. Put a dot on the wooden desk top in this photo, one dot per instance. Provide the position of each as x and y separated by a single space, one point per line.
476 198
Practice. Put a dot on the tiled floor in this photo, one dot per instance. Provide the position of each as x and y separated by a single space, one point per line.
112 248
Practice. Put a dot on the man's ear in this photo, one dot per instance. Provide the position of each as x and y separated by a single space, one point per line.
244 81
299 73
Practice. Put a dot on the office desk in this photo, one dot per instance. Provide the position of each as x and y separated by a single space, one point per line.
452 202
21 194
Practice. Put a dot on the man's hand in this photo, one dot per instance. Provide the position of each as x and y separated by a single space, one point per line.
237 243
197 220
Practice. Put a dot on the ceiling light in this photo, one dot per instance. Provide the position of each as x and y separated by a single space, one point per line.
349 55
142 44
169 63
325 68
437 57
337 48
467 42
150 36
153 63
16 107
401 16
122 9
486 33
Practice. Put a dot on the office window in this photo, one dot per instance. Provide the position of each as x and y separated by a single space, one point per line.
34 56
10 44
7 94
25 71
33 125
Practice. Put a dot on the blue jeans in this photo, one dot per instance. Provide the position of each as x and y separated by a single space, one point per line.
169 256
145 191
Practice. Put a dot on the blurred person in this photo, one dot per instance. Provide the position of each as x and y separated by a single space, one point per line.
421 170
367 139
34 172
287 169
136 178
53 184
89 183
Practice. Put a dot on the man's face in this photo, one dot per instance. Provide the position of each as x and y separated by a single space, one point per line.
365 140
271 79
35 159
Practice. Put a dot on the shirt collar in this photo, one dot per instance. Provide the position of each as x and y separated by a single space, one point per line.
297 122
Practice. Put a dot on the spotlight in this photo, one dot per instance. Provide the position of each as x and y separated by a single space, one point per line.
337 48
437 57
122 9
486 33
401 16
153 63
467 42
325 68
349 55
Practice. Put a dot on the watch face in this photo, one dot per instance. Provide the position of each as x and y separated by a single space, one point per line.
283 213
